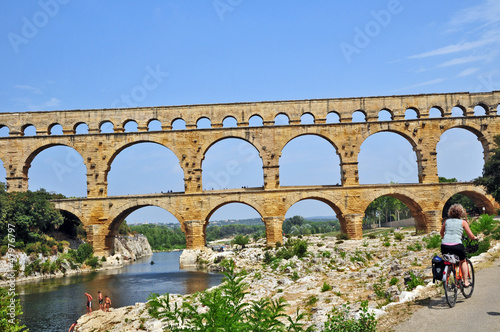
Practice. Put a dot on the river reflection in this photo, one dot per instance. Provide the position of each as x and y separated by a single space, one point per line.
53 304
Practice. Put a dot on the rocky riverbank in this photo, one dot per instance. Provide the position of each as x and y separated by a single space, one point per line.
127 250
377 270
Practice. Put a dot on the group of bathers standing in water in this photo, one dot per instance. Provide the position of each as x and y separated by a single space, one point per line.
104 304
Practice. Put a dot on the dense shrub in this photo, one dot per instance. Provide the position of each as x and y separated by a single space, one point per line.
225 310
84 252
340 321
93 262
484 224
414 282
433 241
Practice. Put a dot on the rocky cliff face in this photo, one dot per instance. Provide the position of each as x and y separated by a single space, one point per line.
127 250
132 247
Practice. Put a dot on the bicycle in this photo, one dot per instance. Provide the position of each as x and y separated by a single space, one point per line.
453 278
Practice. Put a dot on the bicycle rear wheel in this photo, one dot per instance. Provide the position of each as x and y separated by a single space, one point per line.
450 288
467 292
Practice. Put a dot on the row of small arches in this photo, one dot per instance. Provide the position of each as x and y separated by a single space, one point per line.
254 121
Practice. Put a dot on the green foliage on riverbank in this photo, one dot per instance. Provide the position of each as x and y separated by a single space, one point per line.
162 237
10 312
226 310
29 214
27 219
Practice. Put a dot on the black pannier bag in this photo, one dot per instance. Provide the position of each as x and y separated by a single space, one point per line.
437 268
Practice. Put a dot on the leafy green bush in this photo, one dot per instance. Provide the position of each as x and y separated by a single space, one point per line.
484 224
414 282
300 248
93 262
483 246
399 236
32 248
84 252
433 241
372 236
325 287
342 236
10 304
417 246
226 310
393 281
339 320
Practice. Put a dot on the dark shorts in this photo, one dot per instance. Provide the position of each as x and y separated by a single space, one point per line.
456 249
89 304
100 301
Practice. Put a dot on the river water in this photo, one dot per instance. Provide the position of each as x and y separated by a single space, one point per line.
53 304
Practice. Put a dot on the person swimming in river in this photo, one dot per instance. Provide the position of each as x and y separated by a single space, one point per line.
101 303
107 303
89 303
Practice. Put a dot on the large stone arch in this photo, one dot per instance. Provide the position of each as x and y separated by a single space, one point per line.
71 208
409 199
483 137
223 202
365 136
476 194
126 145
233 167
297 138
44 145
119 214
336 207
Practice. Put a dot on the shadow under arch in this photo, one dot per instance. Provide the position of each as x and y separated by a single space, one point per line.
416 211
479 198
135 143
300 137
73 227
234 167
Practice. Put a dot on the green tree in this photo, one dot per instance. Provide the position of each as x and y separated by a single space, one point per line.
490 179
124 229
10 310
84 252
386 209
241 240
32 213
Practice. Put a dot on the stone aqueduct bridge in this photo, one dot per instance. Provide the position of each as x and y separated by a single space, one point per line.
102 214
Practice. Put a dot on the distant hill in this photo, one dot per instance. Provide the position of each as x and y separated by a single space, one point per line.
258 221
249 222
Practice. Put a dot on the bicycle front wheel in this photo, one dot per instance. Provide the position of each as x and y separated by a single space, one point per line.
467 292
450 288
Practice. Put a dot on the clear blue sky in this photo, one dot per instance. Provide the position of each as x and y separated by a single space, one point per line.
63 54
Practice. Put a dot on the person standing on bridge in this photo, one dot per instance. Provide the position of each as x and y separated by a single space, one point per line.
451 232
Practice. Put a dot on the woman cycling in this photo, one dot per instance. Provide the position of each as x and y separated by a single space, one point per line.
451 232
